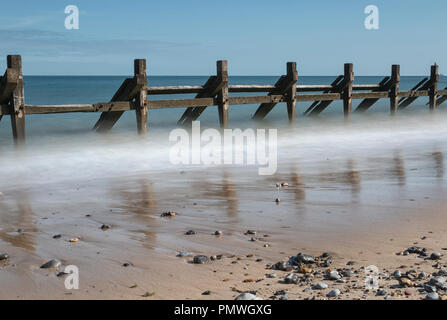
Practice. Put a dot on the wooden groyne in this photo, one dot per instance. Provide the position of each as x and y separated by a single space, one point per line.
134 92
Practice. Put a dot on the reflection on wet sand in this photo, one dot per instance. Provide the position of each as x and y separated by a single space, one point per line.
139 200
439 163
224 190
19 218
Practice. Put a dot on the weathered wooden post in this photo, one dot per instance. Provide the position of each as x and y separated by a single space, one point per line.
394 88
141 97
347 91
292 75
17 101
433 89
222 94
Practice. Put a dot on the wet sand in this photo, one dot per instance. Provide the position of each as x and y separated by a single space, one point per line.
361 204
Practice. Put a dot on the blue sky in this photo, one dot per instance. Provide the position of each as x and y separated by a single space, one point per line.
256 37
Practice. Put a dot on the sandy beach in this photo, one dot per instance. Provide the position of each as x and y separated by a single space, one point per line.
353 206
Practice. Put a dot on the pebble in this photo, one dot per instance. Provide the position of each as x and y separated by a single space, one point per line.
435 256
55 263
271 275
382 292
429 288
218 233
105 227
350 263
333 293
277 200
4 256
283 266
74 240
250 232
291 278
190 232
284 184
57 236
200 259
168 214
397 274
422 275
334 275
206 293
183 254
406 282
432 296
304 258
321 286
347 273
247 296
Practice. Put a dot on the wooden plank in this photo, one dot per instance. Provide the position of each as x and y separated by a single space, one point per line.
212 86
332 86
250 88
369 102
432 91
222 95
370 95
181 103
323 97
7 84
347 91
17 102
292 73
141 96
411 96
108 119
394 88
68 108
174 89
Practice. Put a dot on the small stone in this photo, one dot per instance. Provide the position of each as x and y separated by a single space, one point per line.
105 227
206 293
4 256
304 258
284 184
283 266
183 254
277 200
305 270
271 275
200 259
321 286
74 240
333 293
266 245
347 273
280 293
408 292
190 232
127 264
291 278
422 275
432 296
350 263
252 232
247 296
169 214
57 236
406 282
218 233
283 298
429 288
382 292
397 274
55 263
435 256
334 275
253 239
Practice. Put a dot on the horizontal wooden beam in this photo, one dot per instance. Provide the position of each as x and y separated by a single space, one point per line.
179 103
417 93
369 95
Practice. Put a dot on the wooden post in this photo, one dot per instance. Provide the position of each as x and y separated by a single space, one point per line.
347 91
394 89
141 97
222 94
292 74
17 101
433 90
